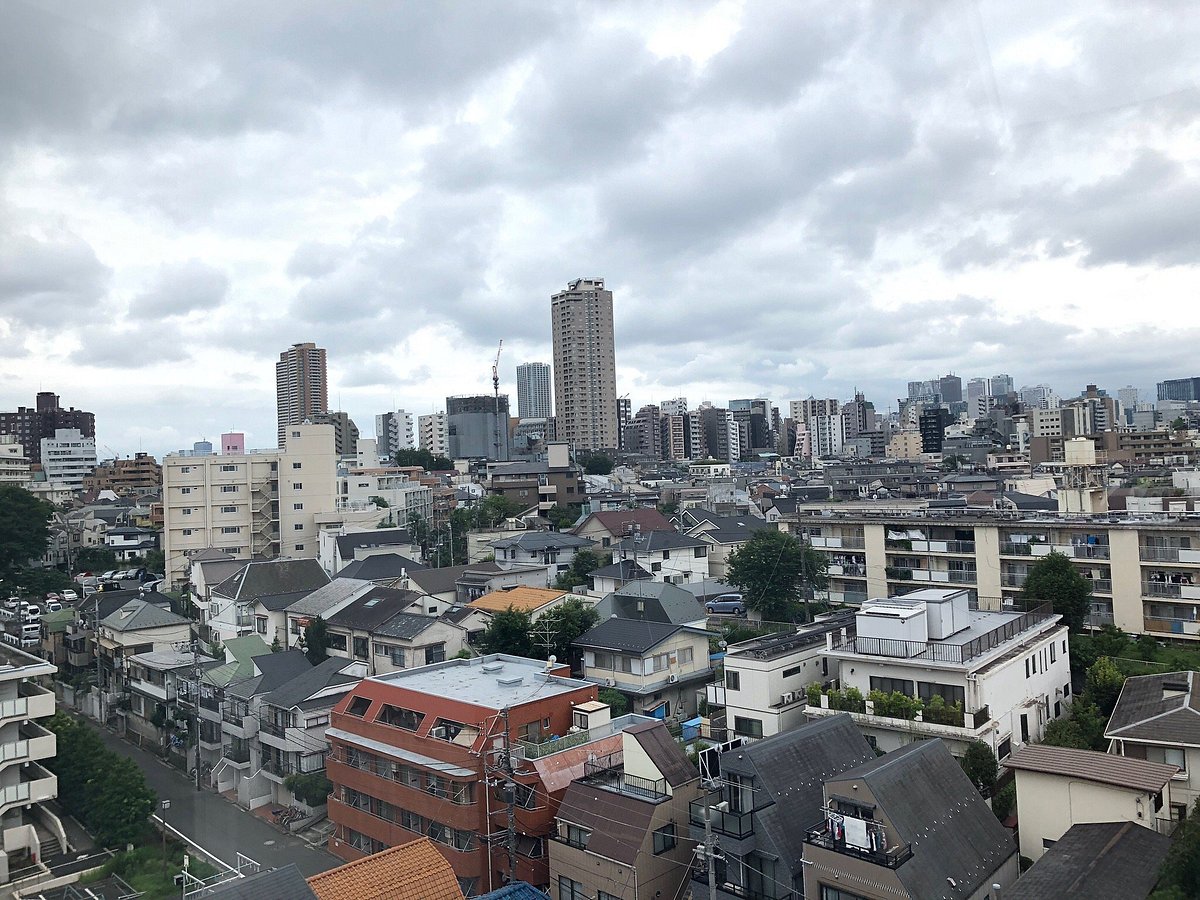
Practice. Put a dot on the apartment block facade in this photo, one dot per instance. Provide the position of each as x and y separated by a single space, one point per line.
259 505
585 372
533 391
68 457
433 433
29 426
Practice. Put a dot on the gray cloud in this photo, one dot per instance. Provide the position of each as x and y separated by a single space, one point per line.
179 289
46 280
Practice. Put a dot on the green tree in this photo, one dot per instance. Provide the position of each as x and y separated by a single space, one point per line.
316 641
1104 683
598 464
776 573
312 788
979 763
95 559
1110 640
24 528
618 702
495 508
424 459
508 632
1083 729
582 564
156 561
37 582
562 517
379 502
565 623
1179 423
1180 872
1052 579
1004 800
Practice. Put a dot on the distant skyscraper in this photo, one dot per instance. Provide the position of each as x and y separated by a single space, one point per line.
533 391
624 417
301 389
951 388
585 369
999 385
393 433
345 432
474 430
1179 389
676 407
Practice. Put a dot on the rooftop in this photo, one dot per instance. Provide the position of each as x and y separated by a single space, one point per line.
1104 768
524 599
1162 708
412 871
493 681
773 646
1101 861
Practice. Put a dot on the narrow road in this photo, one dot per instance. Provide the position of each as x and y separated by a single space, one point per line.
220 827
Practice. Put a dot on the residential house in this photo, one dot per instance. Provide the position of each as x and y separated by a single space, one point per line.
668 556
1099 861
255 598
549 483
412 871
722 534
27 825
386 569
765 684
55 628
553 549
1058 787
770 793
131 543
237 665
205 570
996 677
338 548
411 749
909 824
1157 718
615 576
608 528
156 679
534 601
381 629
135 627
322 603
658 666
459 585
621 829
653 601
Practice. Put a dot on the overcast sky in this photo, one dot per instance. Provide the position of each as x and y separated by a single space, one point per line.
785 198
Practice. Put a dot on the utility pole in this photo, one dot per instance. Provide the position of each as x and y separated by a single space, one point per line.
711 851
510 797
194 646
496 394
96 650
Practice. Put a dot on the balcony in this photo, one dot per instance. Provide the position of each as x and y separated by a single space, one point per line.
33 702
1177 589
160 692
238 756
1177 627
922 546
1169 554
1015 548
741 891
269 726
892 858
37 785
608 772
715 693
947 722
732 824
837 543
35 742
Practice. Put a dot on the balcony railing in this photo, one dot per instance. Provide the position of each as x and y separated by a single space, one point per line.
736 825
608 772
1166 554
942 652
270 726
1181 627
1015 548
236 754
545 748
892 858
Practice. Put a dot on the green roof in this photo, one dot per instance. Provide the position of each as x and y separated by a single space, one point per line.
58 621
243 650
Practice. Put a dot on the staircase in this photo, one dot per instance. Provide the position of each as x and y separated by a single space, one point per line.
50 845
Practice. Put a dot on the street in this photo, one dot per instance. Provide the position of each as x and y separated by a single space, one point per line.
220 827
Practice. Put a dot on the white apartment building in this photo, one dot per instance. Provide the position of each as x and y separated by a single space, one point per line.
357 489
394 432
433 432
68 457
14 464
828 434
1001 676
259 505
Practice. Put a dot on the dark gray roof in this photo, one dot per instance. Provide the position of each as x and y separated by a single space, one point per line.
439 581
325 598
136 615
536 541
724 529
1100 861
1143 713
109 602
628 635
404 626
373 608
379 537
661 602
789 770
275 669
380 566
274 884
665 752
657 541
273 578
936 810
276 602
617 821
296 690
625 570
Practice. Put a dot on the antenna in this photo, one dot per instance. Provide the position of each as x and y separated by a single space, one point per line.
496 393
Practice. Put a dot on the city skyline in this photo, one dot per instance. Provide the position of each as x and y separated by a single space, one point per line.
877 194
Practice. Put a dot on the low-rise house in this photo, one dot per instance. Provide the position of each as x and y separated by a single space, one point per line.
385 569
135 627
996 677
237 665
722 534
336 551
322 603
130 543
55 628
256 597
1157 718
653 601
658 666
553 549
620 830
667 555
459 585
156 680
380 629
615 576
909 824
608 528
1099 861
1058 787
206 569
534 601
770 793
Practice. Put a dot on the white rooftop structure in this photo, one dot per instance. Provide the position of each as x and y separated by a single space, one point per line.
493 681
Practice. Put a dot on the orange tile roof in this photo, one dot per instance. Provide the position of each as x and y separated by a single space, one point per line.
525 599
412 871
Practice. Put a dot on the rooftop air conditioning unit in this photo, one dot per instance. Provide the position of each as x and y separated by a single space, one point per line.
608 682
788 697
672 678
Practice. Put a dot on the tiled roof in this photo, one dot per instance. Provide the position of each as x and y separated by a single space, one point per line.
665 752
380 566
1101 861
285 883
535 541
525 599
328 596
273 577
629 635
1163 708
653 601
412 871
136 615
380 537
618 822
372 608
618 521
1088 765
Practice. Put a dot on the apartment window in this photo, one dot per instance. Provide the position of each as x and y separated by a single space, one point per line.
299 546
336 641
435 653
359 706
297 486
577 837
228 509
891 685
229 489
361 647
186 490
571 890
295 465
733 680
230 529
398 717
747 727
664 838
1052 649
187 511
299 526
187 532
228 468
462 792
297 506
184 470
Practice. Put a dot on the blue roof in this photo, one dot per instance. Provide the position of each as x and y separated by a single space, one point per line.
517 890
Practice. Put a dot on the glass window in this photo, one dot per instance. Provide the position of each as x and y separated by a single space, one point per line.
1175 756
951 693
361 647
435 653
664 838
359 706
335 641
577 837
892 685
571 890
747 727
398 717
733 680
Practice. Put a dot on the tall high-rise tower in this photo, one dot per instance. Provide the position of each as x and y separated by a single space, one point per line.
301 389
533 391
585 368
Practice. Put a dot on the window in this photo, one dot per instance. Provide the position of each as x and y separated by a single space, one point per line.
1174 756
602 660
185 469
435 653
685 656
301 547
260 624
299 526
187 532
359 706
186 490
1052 654
230 529
297 506
187 510
229 489
664 838
891 685
361 647
733 680
833 893
656 567
336 641
951 693
571 890
747 727
296 465
577 837
228 509
228 468
297 486
398 717
462 792
699 552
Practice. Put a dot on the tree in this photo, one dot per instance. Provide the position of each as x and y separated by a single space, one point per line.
95 559
979 763
1180 872
598 464
1083 729
564 624
311 788
775 572
316 641
562 517
508 632
24 528
616 700
424 459
379 502
37 582
1104 683
1052 579
495 508
582 564
1179 423
156 561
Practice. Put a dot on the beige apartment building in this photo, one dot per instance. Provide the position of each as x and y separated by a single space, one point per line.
1144 571
585 369
262 504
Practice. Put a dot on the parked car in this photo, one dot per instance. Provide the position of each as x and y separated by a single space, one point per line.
12 604
111 573
71 596
53 606
30 612
726 605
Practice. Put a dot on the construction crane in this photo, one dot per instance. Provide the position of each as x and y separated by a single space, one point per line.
496 394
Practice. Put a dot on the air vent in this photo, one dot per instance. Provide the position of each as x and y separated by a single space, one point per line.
510 681
490 667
